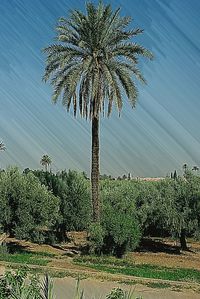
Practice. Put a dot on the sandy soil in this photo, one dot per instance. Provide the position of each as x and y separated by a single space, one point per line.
35 247
186 259
65 288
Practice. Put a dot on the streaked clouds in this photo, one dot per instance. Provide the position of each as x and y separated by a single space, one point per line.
159 136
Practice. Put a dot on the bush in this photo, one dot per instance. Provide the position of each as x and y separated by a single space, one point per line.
75 204
96 237
120 228
26 206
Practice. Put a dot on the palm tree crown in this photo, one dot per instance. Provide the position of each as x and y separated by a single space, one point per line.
195 168
94 62
2 146
45 161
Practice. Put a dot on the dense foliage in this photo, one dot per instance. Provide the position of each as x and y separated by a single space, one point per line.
75 206
26 206
43 206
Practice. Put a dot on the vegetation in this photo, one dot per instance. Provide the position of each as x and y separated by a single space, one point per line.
74 206
26 206
42 206
2 146
121 231
92 66
24 258
125 267
22 285
45 161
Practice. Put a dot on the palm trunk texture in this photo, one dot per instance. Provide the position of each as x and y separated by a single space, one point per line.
95 170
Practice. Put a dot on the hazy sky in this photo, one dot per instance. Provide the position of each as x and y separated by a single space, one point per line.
160 135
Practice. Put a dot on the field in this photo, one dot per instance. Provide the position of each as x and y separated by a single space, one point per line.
159 265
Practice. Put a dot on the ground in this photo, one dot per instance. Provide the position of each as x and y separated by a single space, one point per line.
157 252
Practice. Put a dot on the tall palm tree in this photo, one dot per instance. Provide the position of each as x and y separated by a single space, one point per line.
2 146
93 66
45 161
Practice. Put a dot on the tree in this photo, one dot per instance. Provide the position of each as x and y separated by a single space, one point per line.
195 168
185 168
121 230
45 161
179 206
92 66
26 206
72 189
2 146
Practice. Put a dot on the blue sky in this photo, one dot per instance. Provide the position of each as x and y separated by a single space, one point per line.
160 135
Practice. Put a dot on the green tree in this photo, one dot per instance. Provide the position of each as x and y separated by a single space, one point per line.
93 66
75 206
180 206
26 206
45 161
120 229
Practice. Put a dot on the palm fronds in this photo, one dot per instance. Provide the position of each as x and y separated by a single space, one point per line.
94 63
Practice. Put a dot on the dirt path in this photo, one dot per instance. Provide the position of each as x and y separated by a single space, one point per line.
64 289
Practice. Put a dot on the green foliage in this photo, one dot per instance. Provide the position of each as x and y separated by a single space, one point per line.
120 220
96 237
3 249
13 286
94 60
119 228
45 161
126 267
23 258
180 204
75 205
26 206
118 293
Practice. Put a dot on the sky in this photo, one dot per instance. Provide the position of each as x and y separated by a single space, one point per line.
157 137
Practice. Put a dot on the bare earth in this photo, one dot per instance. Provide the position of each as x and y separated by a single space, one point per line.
64 289
187 259
93 286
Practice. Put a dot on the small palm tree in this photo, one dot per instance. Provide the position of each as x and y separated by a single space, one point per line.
2 146
195 168
185 167
93 67
45 161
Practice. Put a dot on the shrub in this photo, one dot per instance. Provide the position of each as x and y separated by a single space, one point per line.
96 237
26 206
119 228
75 205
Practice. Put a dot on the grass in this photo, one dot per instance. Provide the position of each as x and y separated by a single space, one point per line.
25 258
158 285
125 267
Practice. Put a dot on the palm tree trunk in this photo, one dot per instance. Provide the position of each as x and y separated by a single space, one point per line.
183 240
95 169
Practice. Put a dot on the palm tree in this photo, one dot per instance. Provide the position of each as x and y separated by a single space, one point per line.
185 167
2 146
45 161
195 168
92 66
